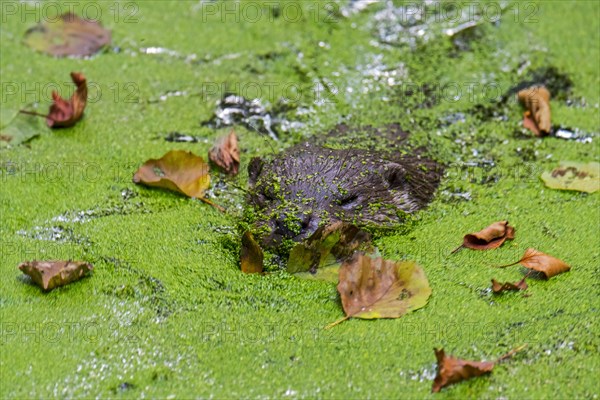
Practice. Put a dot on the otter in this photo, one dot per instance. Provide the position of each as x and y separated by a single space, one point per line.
310 184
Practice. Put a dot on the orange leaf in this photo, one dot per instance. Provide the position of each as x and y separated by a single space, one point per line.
179 171
537 118
64 113
452 370
226 154
251 255
529 123
489 238
498 287
51 274
547 265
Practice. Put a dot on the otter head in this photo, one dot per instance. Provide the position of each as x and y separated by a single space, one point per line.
308 186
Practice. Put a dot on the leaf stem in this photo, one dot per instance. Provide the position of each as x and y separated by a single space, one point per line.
36 114
508 265
339 321
218 207
511 353
458 248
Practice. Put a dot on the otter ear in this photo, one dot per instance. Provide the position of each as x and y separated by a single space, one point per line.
254 169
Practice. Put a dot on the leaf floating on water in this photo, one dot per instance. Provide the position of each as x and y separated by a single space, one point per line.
489 238
179 171
226 154
321 255
570 175
18 128
251 255
51 274
377 288
451 370
64 113
537 117
68 35
498 287
547 265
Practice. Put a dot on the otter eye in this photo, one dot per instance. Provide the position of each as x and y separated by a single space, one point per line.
348 201
306 221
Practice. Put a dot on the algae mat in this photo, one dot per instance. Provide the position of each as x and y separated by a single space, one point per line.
167 313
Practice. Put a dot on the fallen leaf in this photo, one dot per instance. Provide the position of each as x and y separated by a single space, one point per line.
498 287
489 238
51 274
547 265
226 154
64 113
570 175
68 35
251 255
18 128
321 255
371 287
537 118
451 370
179 171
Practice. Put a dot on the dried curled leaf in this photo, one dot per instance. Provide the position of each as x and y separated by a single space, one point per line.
377 288
498 287
251 255
547 265
51 274
537 118
321 255
569 175
452 370
179 171
64 113
489 238
68 35
226 154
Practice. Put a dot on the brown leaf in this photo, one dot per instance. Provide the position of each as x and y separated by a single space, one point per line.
537 118
179 171
251 255
489 238
376 288
68 35
51 274
498 287
452 370
65 113
547 265
226 154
